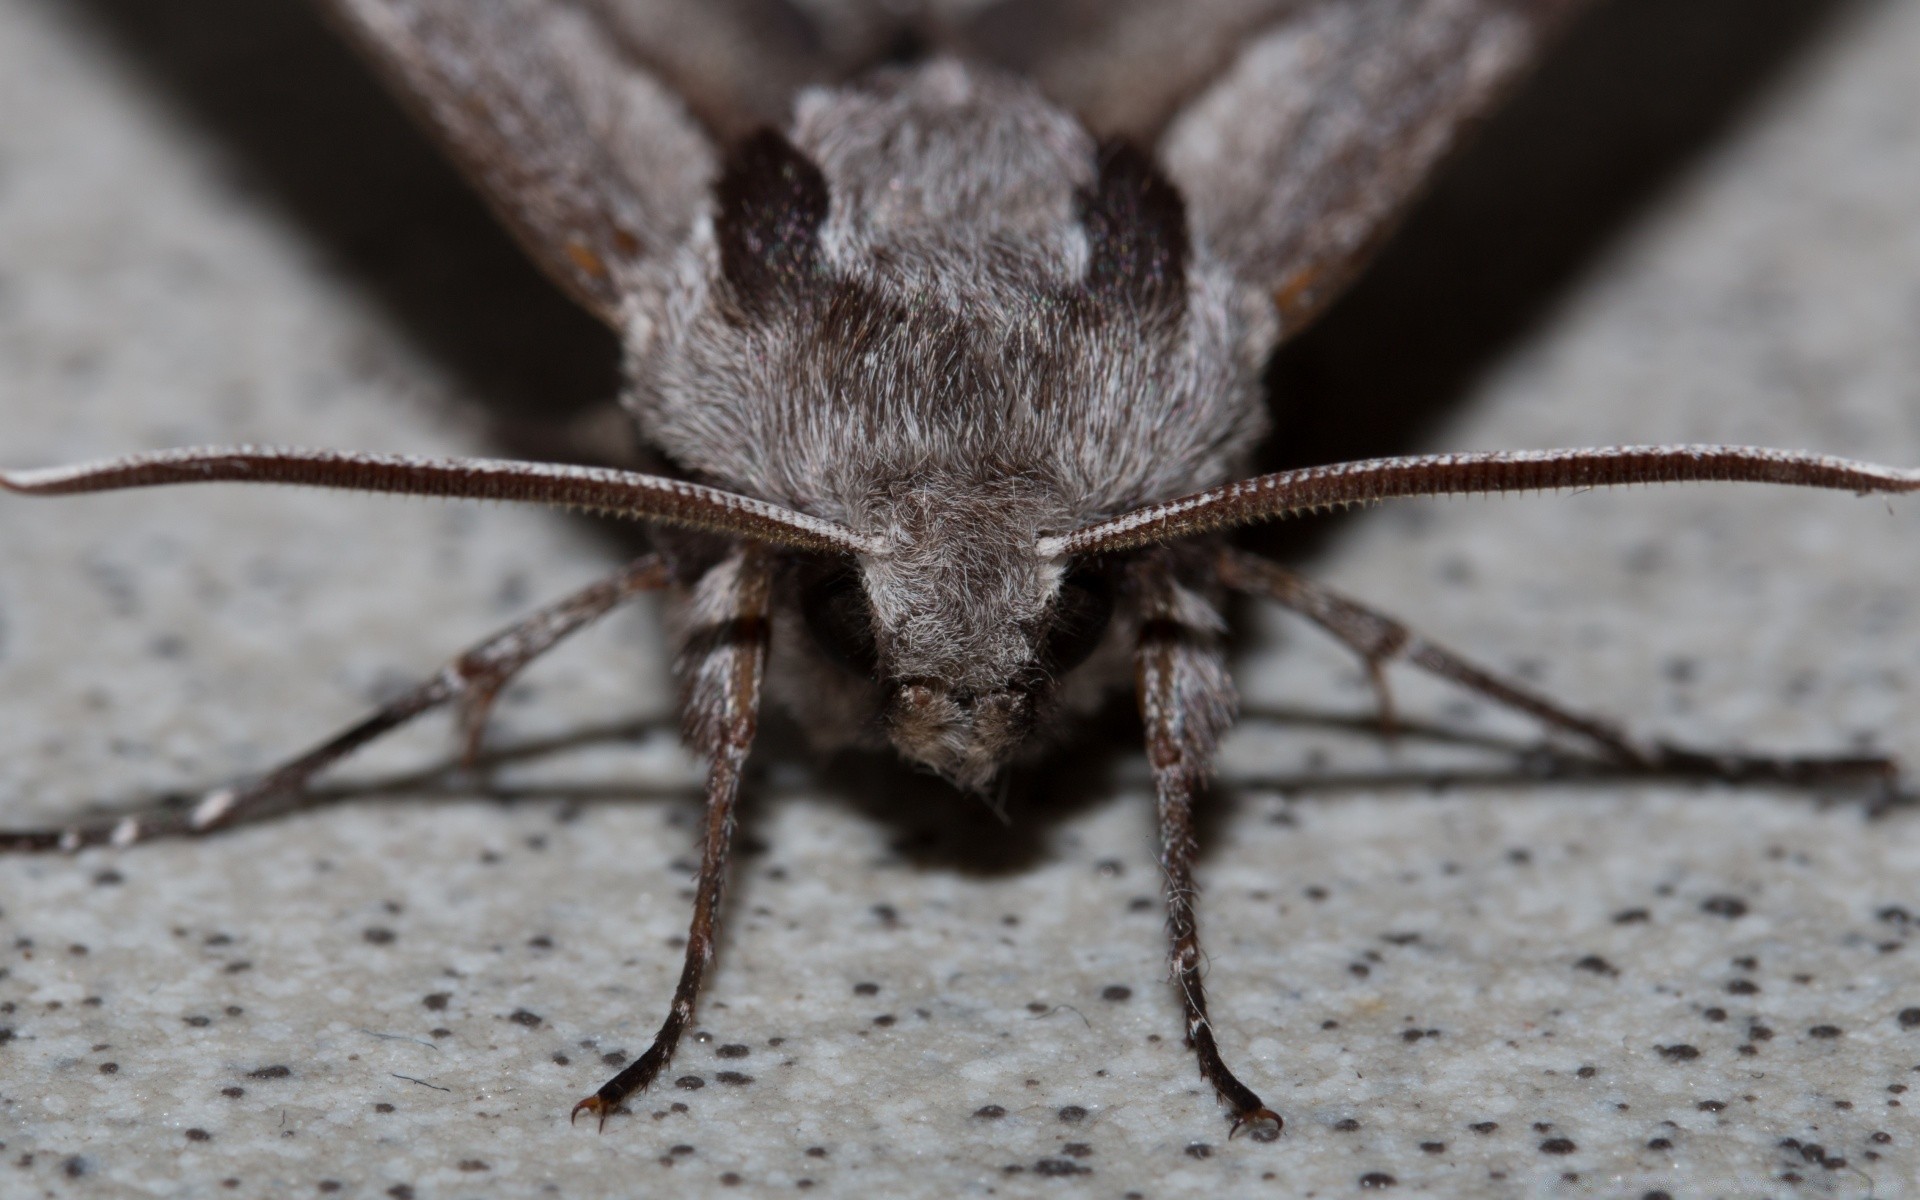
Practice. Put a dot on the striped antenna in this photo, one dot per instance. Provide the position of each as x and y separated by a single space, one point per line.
1292 493
595 489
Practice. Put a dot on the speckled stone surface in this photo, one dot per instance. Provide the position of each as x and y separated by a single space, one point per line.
1505 986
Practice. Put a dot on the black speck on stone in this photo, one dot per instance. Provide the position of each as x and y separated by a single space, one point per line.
1198 1150
531 1020
75 1167
989 1112
1909 1019
1116 992
1632 916
1824 1031
198 1022
1595 964
734 1078
1656 1196
383 1107
233 1093
1743 987
199 1135
866 989
1346 1125
109 1068
1558 1146
277 1071
1484 1127
1659 1144
1374 1181
1730 907
1082 1150
690 1083
1433 1147
1072 1114
436 1001
378 936
1680 1053
1057 1168
400 1191
733 1050
1712 1106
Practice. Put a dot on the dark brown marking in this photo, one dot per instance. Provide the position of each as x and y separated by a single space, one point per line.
772 201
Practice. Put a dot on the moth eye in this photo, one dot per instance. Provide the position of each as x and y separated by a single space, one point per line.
837 614
1080 615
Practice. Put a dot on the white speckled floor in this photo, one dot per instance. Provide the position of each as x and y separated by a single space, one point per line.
1505 987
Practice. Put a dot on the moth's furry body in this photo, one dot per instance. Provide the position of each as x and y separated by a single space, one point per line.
940 374
957 362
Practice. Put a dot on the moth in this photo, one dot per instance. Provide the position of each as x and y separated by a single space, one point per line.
946 324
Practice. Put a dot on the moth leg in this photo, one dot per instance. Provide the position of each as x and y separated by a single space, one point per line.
1380 639
721 668
1186 702
471 680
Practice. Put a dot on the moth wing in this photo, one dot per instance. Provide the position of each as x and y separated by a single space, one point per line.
593 162
1299 157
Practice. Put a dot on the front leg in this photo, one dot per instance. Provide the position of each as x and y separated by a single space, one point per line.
721 669
1186 702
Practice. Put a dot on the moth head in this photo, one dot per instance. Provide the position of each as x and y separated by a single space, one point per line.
959 645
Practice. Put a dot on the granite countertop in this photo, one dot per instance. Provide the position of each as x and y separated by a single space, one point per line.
1453 975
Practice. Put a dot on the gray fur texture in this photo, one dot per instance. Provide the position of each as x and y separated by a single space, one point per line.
948 379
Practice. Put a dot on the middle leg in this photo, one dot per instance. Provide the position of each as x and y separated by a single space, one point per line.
1380 639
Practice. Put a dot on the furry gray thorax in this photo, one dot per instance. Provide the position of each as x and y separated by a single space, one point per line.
940 312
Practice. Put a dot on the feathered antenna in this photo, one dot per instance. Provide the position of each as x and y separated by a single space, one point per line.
1291 493
596 489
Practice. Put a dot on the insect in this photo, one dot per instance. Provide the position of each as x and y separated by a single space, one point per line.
953 369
